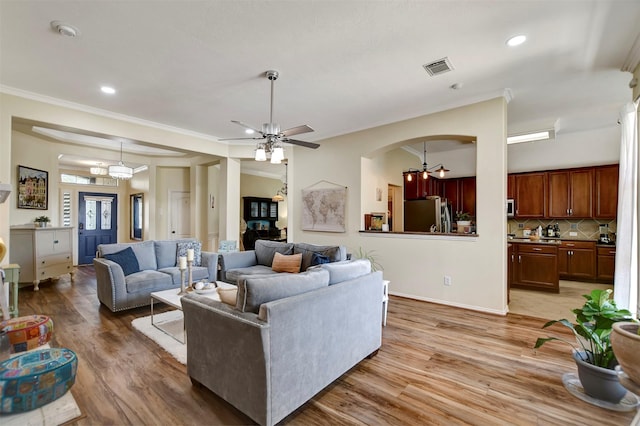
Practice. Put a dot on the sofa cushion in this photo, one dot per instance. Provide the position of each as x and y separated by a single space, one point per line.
265 250
286 263
345 270
145 253
166 252
197 273
126 259
197 251
334 253
254 291
147 281
233 275
319 259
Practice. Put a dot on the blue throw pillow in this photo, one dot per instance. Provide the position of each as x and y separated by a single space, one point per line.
197 251
126 259
319 259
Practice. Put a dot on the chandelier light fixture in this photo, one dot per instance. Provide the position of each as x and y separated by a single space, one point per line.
282 192
270 149
120 171
98 170
426 171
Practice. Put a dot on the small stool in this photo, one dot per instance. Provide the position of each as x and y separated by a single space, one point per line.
26 333
33 379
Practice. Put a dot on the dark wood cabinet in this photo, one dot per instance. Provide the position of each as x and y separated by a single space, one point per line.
606 263
468 195
606 192
511 186
577 260
531 195
461 193
535 266
419 187
256 208
571 194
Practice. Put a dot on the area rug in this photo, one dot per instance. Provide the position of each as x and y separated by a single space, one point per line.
172 323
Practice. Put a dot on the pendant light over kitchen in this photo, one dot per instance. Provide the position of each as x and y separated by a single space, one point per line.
426 171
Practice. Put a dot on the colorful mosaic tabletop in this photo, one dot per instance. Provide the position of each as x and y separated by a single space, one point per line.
33 379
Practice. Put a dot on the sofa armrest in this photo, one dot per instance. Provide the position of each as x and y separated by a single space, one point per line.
210 261
110 282
228 352
234 260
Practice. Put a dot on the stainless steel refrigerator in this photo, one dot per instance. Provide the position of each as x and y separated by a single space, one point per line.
429 215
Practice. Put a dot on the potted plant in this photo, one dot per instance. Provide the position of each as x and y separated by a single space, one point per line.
595 358
463 222
625 340
370 256
42 221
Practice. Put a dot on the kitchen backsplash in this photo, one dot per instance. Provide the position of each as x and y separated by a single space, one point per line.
587 229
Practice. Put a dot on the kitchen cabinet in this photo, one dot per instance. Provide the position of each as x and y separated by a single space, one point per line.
571 193
418 187
535 266
606 192
577 260
42 253
531 195
606 263
511 186
468 195
461 193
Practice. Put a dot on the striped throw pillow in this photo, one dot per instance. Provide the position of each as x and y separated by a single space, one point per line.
287 263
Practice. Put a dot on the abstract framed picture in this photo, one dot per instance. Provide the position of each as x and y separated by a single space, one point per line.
33 188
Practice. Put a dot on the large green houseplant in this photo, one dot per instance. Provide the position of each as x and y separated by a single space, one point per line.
594 323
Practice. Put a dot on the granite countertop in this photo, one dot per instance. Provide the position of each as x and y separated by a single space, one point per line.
546 240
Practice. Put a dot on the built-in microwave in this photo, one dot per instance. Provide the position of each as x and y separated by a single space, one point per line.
511 207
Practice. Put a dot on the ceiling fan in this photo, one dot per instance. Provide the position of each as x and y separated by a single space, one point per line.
271 136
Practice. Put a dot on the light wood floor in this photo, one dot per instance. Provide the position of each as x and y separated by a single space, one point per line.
437 366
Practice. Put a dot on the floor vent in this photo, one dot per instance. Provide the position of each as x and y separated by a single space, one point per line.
438 67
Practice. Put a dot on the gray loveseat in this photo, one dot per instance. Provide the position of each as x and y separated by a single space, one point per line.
258 261
158 271
297 334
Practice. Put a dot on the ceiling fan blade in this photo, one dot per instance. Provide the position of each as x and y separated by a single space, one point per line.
242 139
246 126
297 130
301 143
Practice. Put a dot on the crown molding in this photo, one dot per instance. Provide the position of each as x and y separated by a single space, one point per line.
103 113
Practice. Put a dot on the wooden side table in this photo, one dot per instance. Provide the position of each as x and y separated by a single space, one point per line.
385 301
12 275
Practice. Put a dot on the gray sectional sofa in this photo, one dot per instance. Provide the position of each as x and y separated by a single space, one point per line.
158 271
259 261
287 338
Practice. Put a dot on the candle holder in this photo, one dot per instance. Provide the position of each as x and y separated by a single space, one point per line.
189 268
183 290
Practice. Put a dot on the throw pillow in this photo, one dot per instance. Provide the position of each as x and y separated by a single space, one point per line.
319 259
228 295
197 251
286 263
126 259
265 249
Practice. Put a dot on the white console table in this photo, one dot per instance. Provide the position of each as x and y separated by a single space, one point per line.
385 301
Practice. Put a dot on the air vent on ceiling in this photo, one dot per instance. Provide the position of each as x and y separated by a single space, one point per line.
438 67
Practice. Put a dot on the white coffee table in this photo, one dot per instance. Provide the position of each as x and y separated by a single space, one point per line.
173 299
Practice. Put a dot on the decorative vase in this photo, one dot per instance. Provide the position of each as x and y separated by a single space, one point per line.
626 346
42 224
597 382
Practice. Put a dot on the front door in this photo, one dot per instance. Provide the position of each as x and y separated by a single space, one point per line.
97 223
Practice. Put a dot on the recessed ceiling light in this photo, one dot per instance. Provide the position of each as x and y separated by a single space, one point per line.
249 131
64 29
516 40
108 90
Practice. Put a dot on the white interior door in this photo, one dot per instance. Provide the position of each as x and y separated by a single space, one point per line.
179 214
397 225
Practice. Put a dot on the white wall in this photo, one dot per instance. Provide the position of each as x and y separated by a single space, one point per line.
416 266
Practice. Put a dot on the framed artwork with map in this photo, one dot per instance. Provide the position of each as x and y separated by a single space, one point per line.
324 209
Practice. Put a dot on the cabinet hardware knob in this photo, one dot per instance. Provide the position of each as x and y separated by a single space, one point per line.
537 249
519 259
612 252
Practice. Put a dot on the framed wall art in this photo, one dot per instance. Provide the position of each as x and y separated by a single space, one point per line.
33 188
